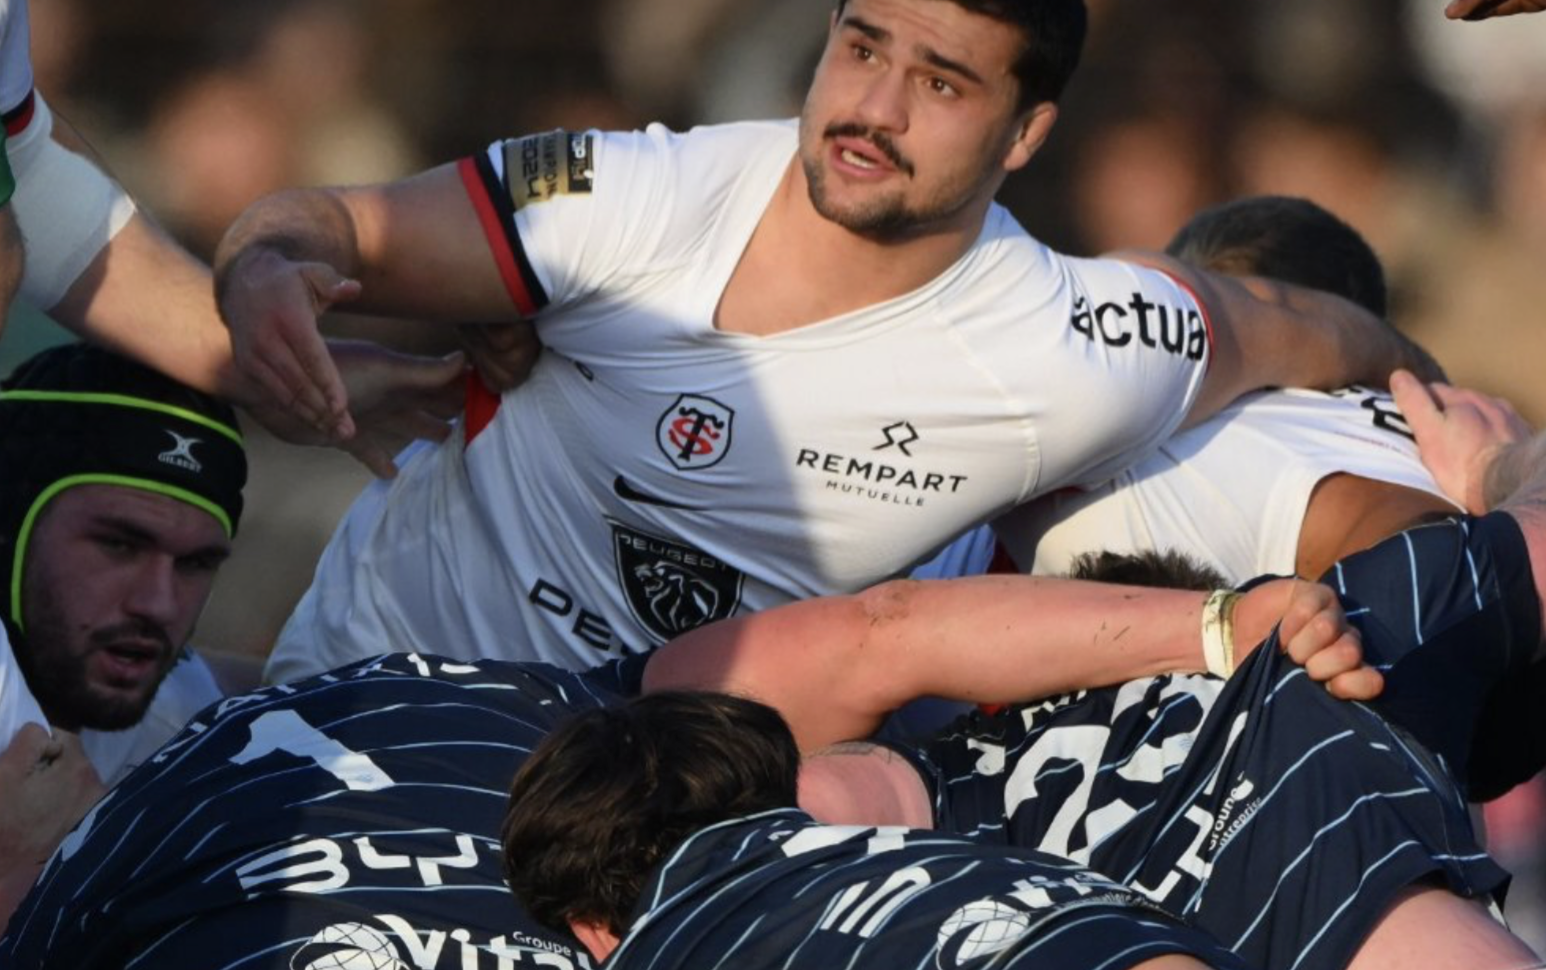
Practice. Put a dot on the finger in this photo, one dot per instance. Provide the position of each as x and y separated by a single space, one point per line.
419 424
327 290
369 453
1304 602
1412 397
1363 684
1344 655
1318 633
30 744
280 396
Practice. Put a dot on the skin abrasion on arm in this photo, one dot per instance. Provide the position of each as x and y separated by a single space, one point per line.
836 666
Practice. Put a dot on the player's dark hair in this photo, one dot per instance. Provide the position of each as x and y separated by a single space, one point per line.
603 799
1054 38
1288 239
1164 569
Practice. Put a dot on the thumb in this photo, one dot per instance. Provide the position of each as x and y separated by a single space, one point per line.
328 287
1416 403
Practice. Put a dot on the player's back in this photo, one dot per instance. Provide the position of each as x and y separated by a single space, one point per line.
353 813
779 890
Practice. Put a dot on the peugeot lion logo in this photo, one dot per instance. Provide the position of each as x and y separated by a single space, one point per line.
181 452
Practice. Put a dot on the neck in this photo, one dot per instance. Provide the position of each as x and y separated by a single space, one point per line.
864 784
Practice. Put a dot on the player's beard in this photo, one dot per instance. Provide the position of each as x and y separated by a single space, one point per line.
59 679
886 215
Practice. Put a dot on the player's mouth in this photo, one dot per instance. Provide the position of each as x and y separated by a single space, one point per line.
130 662
864 153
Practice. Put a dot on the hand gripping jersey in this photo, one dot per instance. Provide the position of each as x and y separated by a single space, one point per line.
656 473
351 820
781 892
1261 810
1231 492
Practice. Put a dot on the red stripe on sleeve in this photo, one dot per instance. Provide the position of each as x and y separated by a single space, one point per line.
1202 308
19 117
479 405
498 240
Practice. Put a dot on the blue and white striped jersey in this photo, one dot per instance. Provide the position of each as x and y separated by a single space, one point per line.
778 890
351 816
1261 809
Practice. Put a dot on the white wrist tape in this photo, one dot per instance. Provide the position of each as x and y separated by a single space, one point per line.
68 210
1218 632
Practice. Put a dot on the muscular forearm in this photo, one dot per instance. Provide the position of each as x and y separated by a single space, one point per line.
148 298
836 666
416 247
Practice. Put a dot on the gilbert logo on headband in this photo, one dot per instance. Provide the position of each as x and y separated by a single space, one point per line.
181 454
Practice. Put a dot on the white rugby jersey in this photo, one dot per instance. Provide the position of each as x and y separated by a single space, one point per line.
15 55
655 473
1231 492
17 705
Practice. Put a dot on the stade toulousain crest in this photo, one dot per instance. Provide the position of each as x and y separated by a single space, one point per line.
670 587
694 432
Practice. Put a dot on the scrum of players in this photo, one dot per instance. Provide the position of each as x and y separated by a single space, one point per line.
602 672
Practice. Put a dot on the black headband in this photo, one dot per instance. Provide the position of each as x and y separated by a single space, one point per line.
81 416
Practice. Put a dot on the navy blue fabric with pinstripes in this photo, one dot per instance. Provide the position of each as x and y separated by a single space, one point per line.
777 891
1262 810
347 820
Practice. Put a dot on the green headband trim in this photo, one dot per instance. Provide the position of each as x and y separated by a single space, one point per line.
24 535
125 401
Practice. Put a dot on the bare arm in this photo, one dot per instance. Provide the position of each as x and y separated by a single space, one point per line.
148 298
836 666
1272 334
411 248
1483 9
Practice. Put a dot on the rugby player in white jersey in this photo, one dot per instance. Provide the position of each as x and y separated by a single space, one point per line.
780 359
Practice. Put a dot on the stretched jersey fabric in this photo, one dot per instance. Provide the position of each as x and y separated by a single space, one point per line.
17 705
655 473
350 818
778 890
1230 492
1262 810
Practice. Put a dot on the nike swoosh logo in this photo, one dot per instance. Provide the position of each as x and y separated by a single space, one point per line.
628 493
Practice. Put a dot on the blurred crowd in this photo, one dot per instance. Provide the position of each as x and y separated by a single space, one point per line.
1427 137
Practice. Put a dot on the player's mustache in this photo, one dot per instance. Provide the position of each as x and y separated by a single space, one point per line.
881 140
133 631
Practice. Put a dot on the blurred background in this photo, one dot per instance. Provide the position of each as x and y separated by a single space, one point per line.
1427 136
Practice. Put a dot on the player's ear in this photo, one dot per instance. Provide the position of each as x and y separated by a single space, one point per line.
597 937
1033 128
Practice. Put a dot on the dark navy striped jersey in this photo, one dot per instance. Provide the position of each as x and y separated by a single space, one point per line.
1262 810
349 820
778 890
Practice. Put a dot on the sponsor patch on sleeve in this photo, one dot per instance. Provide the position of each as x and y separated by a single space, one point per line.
539 167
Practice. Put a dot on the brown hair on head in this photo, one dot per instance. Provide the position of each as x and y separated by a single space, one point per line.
608 794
